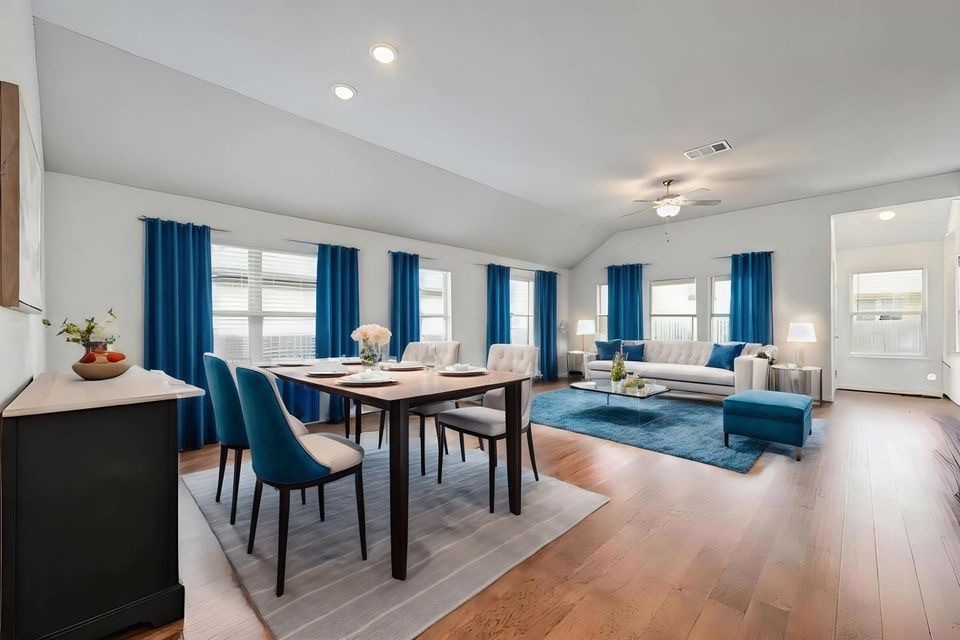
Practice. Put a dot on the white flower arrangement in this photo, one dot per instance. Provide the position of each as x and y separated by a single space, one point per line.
372 333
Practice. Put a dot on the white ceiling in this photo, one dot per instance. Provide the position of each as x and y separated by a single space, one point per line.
924 221
582 107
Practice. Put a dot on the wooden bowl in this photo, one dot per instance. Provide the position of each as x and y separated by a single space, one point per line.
100 370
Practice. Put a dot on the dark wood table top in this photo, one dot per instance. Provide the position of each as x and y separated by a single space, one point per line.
417 387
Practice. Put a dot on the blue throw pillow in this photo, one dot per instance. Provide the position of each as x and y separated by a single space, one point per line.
723 355
605 350
633 352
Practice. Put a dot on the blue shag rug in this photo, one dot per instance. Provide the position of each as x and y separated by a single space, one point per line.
683 428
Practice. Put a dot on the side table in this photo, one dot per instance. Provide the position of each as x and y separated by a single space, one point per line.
794 379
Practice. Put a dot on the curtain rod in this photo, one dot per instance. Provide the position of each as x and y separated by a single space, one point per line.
512 268
730 256
416 254
144 218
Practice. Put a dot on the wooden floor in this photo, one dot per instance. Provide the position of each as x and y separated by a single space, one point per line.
856 541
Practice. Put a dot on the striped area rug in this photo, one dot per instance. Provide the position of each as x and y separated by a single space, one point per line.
457 547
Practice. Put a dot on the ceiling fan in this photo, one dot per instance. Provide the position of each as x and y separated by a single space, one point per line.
668 205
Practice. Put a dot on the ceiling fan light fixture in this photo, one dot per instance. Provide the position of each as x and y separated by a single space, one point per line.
668 210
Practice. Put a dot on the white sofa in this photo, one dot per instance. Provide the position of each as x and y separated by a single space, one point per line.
680 365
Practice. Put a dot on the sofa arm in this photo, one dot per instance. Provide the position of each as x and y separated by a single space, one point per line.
750 372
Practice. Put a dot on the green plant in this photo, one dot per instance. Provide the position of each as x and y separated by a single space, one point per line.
618 370
90 331
632 383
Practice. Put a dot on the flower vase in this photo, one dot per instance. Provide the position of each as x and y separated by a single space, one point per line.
369 354
617 386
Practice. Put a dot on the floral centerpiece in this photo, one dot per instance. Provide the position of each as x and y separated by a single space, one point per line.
95 336
372 337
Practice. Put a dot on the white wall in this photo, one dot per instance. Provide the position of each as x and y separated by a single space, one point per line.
798 232
21 339
95 260
951 354
893 375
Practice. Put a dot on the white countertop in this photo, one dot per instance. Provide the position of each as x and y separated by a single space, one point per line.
56 392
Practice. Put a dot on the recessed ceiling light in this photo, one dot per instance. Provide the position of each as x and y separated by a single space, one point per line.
887 215
383 52
343 91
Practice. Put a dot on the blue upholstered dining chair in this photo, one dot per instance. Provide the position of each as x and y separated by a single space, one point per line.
287 460
228 416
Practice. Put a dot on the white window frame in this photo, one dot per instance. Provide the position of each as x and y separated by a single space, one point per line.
529 317
254 313
922 354
447 314
693 317
713 311
603 319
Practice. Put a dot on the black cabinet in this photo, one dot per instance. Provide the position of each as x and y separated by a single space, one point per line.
89 521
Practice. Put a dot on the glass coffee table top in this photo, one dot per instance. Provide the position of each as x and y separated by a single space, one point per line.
606 386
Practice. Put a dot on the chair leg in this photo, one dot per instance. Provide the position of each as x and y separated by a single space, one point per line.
383 424
436 423
359 413
303 496
463 453
799 453
361 516
257 494
323 510
346 418
493 471
441 430
282 540
423 446
223 467
533 457
237 461
480 440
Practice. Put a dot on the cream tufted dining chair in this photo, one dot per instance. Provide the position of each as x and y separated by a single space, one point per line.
443 354
489 421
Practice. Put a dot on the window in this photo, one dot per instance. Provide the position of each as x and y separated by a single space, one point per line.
887 312
521 312
673 310
435 315
602 300
720 309
264 304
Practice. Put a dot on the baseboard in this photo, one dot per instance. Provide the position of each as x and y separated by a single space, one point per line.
890 392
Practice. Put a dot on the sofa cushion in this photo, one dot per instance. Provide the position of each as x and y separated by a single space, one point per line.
633 352
777 405
684 372
606 349
723 355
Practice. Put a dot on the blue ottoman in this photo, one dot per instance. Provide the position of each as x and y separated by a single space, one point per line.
768 415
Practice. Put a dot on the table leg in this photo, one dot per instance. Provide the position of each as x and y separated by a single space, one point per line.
513 393
400 486
359 413
346 416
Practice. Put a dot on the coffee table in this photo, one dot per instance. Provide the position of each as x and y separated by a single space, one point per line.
606 387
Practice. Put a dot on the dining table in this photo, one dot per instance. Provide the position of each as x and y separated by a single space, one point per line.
409 389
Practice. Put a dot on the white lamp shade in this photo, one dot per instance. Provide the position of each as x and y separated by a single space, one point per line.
586 327
801 332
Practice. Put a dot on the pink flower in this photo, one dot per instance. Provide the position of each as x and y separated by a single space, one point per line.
372 332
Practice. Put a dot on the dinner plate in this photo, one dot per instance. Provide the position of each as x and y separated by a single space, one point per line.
326 374
352 381
403 366
290 363
475 371
350 360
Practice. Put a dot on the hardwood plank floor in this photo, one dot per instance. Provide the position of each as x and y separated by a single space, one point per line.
856 541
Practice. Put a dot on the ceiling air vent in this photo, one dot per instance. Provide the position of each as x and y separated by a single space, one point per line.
707 149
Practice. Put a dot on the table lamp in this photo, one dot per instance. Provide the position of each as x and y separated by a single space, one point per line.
586 328
801 333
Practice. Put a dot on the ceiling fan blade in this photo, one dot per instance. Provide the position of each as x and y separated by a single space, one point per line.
699 203
635 212
647 201
697 190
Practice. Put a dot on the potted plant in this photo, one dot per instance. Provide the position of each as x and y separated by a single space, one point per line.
95 336
618 372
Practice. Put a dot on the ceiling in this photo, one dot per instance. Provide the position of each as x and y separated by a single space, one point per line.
924 221
580 108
